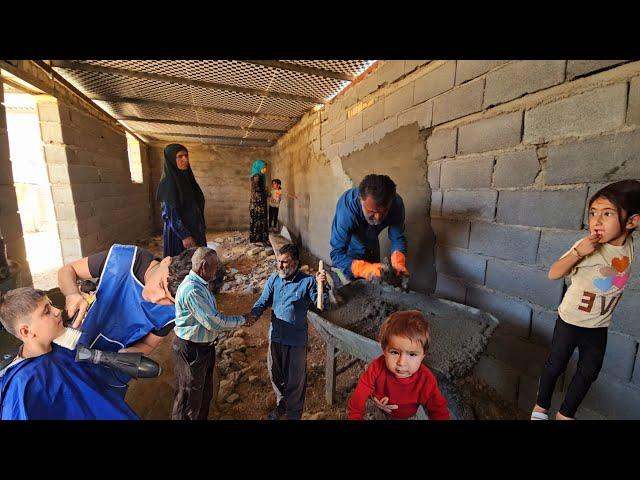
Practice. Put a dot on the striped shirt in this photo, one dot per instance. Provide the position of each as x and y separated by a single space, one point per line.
197 316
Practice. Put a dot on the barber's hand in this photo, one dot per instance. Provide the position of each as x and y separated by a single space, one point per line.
321 277
189 242
383 404
362 269
73 303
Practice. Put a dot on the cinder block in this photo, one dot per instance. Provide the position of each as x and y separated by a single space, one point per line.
450 288
68 229
51 132
620 356
390 71
420 114
540 208
614 399
8 200
514 316
554 243
463 100
520 354
474 172
451 232
494 133
528 395
509 243
380 130
469 69
480 204
442 143
524 282
521 77
410 65
542 324
353 126
71 249
436 203
578 68
592 112
610 158
61 194
516 169
433 175
501 377
373 115
633 109
636 370
625 316
459 263
435 82
10 226
338 134
399 100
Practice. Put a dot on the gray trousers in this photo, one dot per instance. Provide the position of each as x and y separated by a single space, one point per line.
288 372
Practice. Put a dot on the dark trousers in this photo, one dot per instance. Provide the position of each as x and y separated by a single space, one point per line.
193 366
288 371
273 216
592 344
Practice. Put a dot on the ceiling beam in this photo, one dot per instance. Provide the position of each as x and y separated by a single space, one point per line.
224 111
198 124
294 67
86 67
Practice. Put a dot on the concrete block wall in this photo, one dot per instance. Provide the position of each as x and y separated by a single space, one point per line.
222 173
9 217
513 150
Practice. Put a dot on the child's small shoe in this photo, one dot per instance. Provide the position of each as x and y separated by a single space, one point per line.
539 416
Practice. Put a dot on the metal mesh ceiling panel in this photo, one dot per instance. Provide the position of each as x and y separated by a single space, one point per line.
256 101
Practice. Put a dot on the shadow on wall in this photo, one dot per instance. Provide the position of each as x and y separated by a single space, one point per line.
403 156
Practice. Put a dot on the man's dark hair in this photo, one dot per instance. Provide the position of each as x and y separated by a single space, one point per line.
277 180
17 304
625 195
291 249
179 268
380 187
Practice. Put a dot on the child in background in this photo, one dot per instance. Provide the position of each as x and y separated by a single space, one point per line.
599 269
398 379
274 202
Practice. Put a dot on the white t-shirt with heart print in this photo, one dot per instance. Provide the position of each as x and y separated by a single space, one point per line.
597 282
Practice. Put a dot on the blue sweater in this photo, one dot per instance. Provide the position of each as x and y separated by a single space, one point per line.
352 238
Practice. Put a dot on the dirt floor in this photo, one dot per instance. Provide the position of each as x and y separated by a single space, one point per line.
245 390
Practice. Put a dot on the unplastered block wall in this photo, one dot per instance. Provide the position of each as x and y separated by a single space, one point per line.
513 151
223 173
9 218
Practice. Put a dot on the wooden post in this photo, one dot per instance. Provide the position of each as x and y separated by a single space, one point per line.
330 373
320 287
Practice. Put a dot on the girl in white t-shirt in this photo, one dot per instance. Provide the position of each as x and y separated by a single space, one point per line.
599 267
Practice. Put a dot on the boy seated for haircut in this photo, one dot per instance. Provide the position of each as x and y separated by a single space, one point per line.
44 381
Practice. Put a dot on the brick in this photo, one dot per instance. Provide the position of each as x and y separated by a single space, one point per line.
516 169
450 288
469 69
625 316
633 109
479 204
435 82
474 172
521 77
592 112
457 262
373 115
420 114
399 100
608 158
463 100
494 133
524 282
576 68
501 377
540 208
390 71
442 143
542 324
620 356
436 204
353 126
554 243
509 243
514 316
433 175
451 232
614 399
520 354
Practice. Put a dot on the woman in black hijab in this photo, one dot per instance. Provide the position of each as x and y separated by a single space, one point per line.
182 203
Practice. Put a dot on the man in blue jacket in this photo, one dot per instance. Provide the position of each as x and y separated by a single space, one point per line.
361 214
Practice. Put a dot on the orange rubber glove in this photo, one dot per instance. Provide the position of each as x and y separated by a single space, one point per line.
398 262
367 270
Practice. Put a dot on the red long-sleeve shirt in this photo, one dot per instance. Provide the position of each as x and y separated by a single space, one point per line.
420 388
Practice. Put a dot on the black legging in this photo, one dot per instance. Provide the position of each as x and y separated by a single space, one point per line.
592 344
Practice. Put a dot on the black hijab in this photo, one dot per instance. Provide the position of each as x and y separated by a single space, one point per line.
178 187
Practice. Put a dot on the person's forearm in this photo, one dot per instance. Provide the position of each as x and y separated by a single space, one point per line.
67 280
563 266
